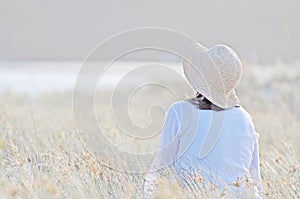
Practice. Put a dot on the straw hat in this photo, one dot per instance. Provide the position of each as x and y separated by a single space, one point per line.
214 73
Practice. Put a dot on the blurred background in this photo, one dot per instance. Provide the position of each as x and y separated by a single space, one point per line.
262 32
43 43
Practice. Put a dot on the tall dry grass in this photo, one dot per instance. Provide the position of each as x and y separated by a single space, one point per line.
41 155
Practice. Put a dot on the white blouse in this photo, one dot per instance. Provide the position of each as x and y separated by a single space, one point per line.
220 145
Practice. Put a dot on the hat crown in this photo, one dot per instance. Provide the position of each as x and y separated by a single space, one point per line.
227 64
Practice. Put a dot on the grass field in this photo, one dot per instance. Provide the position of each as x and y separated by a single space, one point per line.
41 155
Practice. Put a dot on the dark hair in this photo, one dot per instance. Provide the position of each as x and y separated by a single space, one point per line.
203 103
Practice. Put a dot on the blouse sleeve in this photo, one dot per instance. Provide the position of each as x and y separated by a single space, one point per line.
255 170
255 163
168 144
166 152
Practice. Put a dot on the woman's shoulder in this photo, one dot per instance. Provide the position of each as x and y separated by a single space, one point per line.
248 118
241 111
181 105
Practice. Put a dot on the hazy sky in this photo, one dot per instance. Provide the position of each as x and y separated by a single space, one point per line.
262 31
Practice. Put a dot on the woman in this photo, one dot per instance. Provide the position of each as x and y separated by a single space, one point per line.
210 134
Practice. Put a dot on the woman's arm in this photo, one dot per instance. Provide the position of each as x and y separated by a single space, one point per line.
255 169
166 152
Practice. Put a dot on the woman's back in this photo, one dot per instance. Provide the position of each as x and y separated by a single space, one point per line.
219 144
